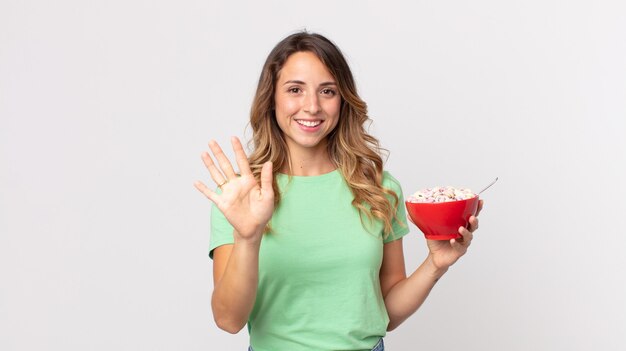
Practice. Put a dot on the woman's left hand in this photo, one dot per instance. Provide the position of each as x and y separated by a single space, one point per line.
445 253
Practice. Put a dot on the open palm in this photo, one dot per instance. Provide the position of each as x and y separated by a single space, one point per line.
247 204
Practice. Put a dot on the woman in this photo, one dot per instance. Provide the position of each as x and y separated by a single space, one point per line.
306 240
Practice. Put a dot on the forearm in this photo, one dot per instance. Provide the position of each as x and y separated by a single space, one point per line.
407 296
234 295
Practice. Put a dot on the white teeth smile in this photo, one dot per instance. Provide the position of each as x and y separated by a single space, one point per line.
309 123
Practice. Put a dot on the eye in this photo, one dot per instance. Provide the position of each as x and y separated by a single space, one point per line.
294 90
329 92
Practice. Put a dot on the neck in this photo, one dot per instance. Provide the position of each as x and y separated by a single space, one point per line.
309 161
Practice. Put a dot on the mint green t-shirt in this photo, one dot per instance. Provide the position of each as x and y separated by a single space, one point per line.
319 285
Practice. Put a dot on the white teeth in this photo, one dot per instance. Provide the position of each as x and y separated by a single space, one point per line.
309 123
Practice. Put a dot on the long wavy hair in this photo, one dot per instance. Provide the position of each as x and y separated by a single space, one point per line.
356 153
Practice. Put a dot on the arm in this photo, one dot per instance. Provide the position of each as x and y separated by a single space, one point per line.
248 206
402 295
235 279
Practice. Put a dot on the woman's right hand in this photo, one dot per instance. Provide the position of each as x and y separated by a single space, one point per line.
245 203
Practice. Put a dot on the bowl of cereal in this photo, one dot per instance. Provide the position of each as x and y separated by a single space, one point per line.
439 212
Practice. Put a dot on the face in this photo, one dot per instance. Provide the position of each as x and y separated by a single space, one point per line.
307 102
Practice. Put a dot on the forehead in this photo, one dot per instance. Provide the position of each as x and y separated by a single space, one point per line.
304 65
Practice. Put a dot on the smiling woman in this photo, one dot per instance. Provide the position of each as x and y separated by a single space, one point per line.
306 240
306 94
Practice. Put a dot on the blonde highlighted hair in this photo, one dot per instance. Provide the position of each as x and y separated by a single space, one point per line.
356 153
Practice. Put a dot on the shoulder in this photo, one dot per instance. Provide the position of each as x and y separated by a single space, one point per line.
390 182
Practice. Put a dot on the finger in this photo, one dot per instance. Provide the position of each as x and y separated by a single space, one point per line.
222 160
473 221
210 194
480 207
266 177
240 156
457 244
467 235
216 175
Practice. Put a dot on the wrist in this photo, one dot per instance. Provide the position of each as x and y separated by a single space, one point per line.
251 240
432 269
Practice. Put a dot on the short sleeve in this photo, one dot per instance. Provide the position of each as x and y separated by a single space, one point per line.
399 224
221 230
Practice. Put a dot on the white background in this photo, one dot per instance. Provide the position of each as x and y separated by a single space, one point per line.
105 107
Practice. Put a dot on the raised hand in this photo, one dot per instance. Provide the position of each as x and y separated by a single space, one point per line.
245 203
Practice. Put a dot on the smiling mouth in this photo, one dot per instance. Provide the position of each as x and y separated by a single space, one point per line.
309 124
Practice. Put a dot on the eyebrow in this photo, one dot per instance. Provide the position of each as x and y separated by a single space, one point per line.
325 84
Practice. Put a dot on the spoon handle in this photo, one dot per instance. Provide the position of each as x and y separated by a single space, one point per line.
490 184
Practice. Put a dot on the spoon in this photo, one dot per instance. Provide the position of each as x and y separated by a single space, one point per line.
490 184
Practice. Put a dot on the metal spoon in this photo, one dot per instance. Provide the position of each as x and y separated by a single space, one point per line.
490 184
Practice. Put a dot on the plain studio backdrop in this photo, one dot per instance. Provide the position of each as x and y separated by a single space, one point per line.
105 107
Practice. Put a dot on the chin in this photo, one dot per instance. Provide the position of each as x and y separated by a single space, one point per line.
308 143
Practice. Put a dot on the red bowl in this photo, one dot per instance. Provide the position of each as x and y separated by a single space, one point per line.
441 220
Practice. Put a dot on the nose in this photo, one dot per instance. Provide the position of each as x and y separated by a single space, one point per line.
312 104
